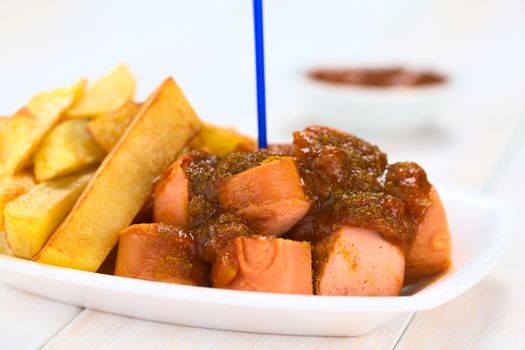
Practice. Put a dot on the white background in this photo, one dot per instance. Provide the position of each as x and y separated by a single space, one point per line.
207 45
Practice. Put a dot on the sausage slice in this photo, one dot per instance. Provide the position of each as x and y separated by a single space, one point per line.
430 250
270 196
265 264
170 197
358 262
160 252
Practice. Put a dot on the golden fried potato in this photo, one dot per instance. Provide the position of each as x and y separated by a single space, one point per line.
10 190
22 134
24 178
107 128
14 186
222 141
67 148
32 217
4 120
115 194
4 247
107 94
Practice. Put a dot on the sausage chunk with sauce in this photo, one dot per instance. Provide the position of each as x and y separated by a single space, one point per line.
270 196
358 262
373 225
430 250
170 197
266 264
160 252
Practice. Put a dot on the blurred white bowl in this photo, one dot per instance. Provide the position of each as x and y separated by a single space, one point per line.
396 109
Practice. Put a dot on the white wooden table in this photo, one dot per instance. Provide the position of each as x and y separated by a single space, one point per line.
479 146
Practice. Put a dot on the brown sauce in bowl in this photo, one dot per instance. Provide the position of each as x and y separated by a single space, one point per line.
377 77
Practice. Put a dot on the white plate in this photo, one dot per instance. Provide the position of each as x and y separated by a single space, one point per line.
480 227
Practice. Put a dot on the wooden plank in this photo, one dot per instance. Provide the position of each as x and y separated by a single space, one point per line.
94 330
28 321
492 314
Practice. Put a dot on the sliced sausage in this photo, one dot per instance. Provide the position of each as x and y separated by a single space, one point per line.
170 197
270 196
265 264
430 250
160 252
358 262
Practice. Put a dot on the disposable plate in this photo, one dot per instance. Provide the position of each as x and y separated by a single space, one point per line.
480 227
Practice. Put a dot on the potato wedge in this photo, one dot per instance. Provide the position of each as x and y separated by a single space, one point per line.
24 178
32 217
9 191
4 247
4 120
67 148
115 194
24 132
107 128
107 94
222 141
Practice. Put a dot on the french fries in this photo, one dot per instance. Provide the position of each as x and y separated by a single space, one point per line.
222 141
4 247
9 190
158 132
4 120
24 178
32 217
107 128
23 132
106 95
67 148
